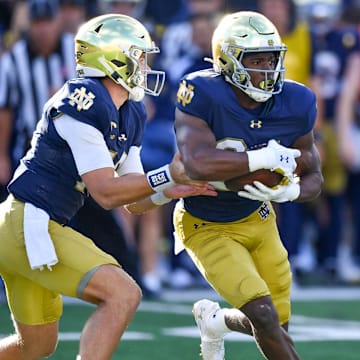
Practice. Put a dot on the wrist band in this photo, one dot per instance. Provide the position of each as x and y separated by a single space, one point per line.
257 159
160 198
160 179
294 191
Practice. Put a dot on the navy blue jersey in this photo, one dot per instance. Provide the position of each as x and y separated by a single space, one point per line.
51 181
284 117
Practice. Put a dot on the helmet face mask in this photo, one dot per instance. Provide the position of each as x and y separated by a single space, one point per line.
245 33
151 81
117 46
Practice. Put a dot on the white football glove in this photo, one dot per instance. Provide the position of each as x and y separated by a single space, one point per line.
279 193
274 157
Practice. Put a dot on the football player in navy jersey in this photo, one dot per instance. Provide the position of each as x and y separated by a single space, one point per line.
87 141
236 118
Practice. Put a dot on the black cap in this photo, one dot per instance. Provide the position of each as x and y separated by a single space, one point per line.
42 9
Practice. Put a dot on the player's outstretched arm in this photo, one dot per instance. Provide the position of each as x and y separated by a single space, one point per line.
111 191
164 197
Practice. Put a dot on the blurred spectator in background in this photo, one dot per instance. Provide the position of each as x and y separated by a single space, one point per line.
351 12
348 128
72 15
240 5
6 11
334 44
13 22
92 8
134 8
177 38
202 25
164 13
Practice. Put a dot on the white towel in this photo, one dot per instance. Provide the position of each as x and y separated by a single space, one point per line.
39 246
178 244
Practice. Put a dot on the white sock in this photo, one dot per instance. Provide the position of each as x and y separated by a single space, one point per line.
217 322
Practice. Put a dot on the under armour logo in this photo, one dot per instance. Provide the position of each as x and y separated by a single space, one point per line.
256 124
196 226
284 158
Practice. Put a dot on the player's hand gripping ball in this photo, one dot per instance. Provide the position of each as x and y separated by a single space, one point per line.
267 177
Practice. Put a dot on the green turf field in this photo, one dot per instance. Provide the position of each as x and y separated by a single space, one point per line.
323 329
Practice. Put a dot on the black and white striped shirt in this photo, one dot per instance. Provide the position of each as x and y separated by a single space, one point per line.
27 80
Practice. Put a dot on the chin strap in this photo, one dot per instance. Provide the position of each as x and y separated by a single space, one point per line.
136 94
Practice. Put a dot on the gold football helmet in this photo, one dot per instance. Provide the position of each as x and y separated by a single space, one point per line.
116 46
248 32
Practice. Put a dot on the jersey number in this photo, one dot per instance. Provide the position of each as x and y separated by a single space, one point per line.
236 145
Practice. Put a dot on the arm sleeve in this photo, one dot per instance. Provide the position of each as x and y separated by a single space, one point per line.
86 143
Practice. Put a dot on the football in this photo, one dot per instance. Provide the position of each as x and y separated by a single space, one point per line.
267 177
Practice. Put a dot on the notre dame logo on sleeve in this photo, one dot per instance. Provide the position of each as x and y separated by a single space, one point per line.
185 93
82 99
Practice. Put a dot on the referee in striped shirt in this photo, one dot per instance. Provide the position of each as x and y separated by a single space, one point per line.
36 66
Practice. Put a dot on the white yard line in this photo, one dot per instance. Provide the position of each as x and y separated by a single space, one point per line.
302 328
300 294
